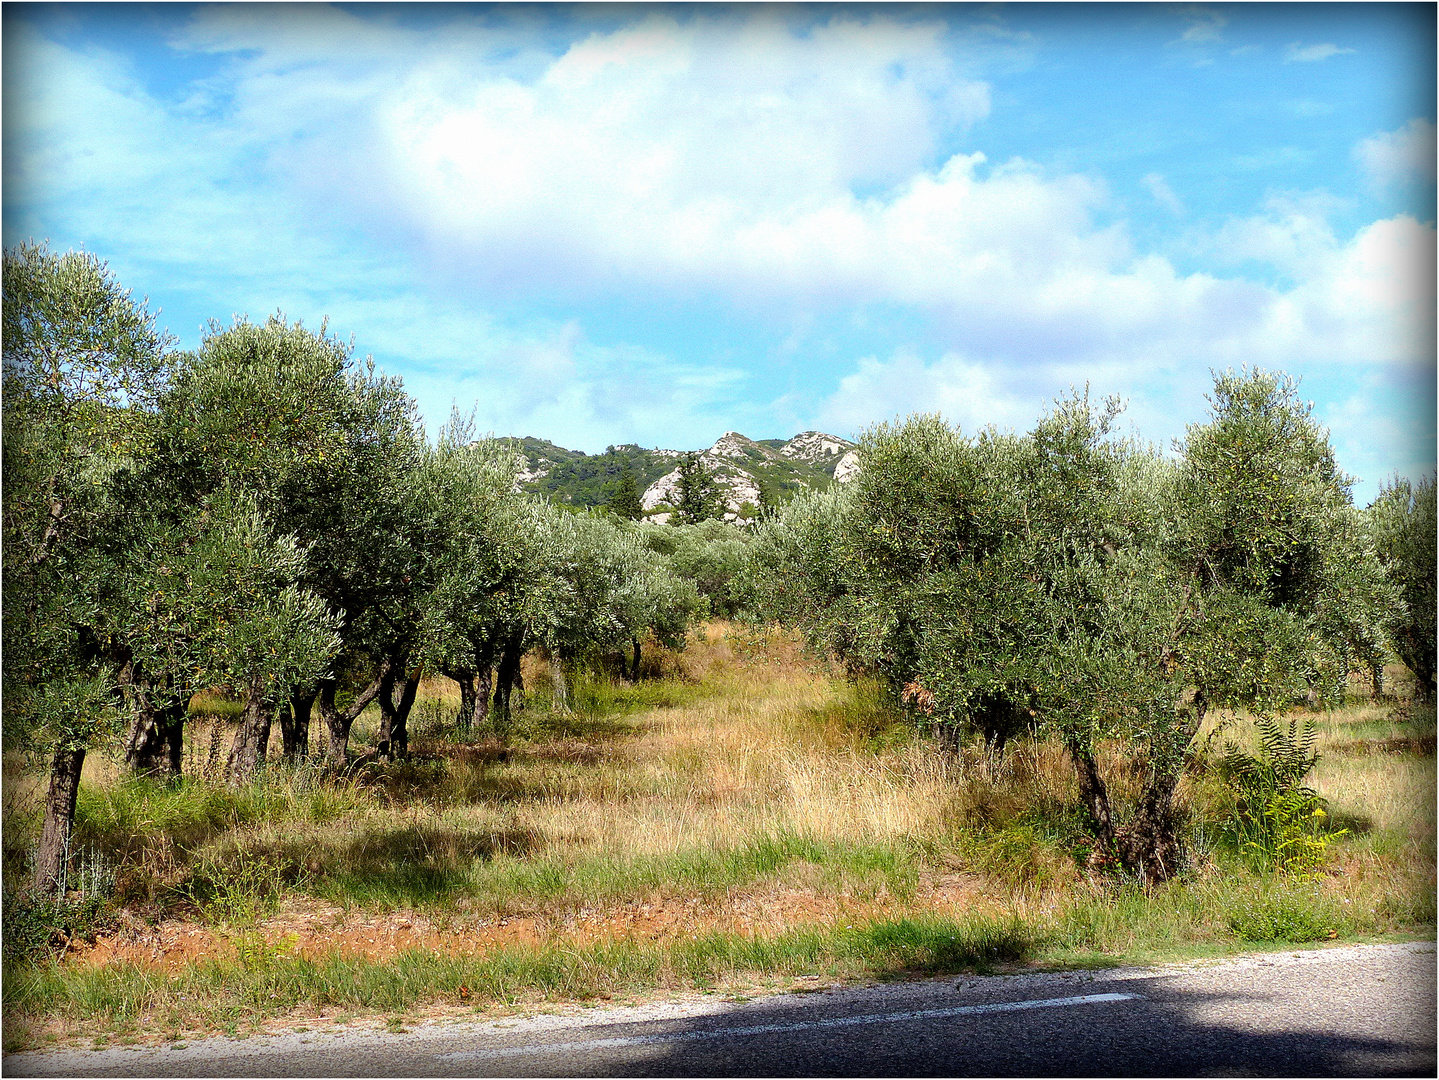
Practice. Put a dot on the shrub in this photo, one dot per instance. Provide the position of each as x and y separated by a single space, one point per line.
36 922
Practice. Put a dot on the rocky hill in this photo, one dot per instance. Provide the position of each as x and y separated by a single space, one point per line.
745 470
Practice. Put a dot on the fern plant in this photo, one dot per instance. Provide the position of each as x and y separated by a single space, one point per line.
1278 820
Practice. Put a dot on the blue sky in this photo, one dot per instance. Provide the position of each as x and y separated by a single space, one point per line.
653 224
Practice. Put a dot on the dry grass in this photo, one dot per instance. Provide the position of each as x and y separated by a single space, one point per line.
747 792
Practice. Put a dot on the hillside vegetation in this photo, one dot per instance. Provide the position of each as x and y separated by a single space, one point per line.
768 470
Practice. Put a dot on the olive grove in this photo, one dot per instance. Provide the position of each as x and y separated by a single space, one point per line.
266 516
1075 581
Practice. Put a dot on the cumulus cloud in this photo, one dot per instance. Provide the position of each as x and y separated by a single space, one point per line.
1394 158
1308 54
553 381
963 391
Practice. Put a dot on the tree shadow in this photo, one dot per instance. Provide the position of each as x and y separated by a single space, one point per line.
403 866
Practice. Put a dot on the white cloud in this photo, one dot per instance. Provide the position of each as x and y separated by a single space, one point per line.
1383 426
1393 158
1204 27
964 392
743 160
552 381
1308 54
1163 194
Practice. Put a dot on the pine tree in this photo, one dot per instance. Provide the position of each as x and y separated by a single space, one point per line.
625 497
698 496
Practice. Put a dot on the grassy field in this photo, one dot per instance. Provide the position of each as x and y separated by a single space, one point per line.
742 821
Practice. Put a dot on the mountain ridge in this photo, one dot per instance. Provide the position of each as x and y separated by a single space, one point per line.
747 472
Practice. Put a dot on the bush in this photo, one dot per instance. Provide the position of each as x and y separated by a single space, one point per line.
35 924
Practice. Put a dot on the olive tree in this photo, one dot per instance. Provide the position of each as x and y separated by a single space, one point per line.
1402 521
711 554
328 450
83 364
484 548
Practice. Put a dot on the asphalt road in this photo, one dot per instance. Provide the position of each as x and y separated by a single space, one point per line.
1365 1010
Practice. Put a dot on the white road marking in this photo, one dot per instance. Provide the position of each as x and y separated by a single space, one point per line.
769 1029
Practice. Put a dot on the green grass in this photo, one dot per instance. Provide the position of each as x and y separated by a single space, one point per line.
264 984
264 981
416 867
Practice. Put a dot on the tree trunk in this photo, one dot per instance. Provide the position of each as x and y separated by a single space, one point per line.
1152 845
393 740
52 857
558 683
247 753
337 723
156 741
484 683
1094 795
295 725
399 722
466 680
635 671
507 679
387 711
337 728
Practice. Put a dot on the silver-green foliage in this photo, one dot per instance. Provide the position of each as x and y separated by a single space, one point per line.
1403 523
1082 581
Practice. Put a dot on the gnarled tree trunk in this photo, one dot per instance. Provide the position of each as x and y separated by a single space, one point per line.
337 723
295 724
484 684
1093 794
1152 845
476 684
507 680
393 740
465 679
51 858
247 753
155 743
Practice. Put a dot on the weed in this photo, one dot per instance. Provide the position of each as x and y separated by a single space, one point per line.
1278 821
237 887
